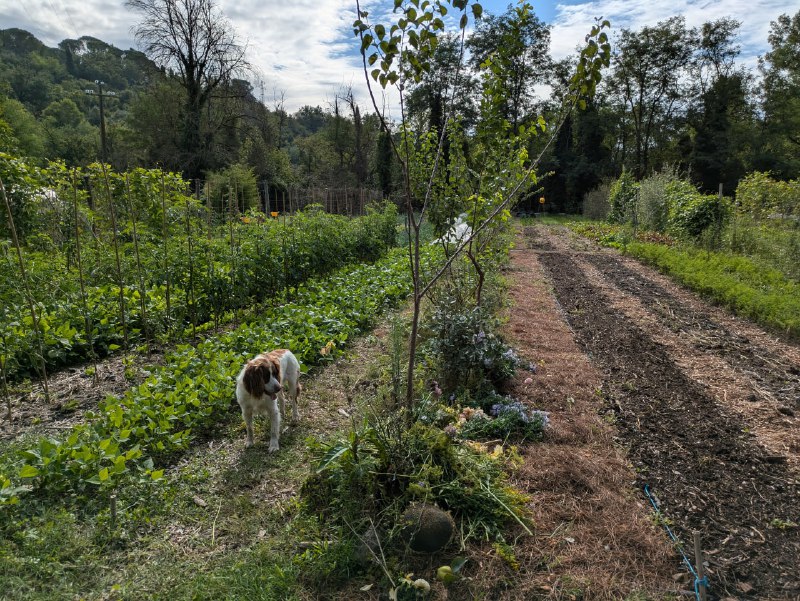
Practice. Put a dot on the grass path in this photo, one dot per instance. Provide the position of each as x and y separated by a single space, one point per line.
221 526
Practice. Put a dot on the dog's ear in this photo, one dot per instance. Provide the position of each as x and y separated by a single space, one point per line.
276 369
256 376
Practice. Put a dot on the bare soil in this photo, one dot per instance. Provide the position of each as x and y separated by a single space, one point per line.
705 406
73 391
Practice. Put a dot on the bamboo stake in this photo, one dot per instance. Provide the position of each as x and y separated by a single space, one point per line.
142 290
285 267
193 312
86 319
116 257
28 296
233 257
209 257
701 569
6 396
165 237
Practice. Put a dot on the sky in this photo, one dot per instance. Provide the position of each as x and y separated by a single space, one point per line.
304 50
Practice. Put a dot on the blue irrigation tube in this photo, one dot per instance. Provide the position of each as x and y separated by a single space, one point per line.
697 580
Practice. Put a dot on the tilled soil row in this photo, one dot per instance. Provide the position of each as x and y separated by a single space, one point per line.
776 377
705 468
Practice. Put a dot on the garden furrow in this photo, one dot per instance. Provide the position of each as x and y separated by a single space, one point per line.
708 471
593 538
776 377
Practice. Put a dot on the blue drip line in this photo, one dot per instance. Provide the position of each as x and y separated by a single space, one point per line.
697 580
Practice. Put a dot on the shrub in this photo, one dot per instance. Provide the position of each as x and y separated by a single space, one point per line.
761 196
383 467
652 208
595 202
466 349
622 198
691 213
511 420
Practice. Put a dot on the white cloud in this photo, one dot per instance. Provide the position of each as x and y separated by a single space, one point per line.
572 22
305 48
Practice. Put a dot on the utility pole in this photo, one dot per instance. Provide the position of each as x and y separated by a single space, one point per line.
101 95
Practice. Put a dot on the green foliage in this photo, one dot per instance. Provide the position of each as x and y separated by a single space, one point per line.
595 202
232 189
593 57
763 295
466 349
692 213
761 196
740 283
622 198
22 184
780 69
231 266
404 51
650 73
383 467
507 419
511 52
652 209
191 392
27 134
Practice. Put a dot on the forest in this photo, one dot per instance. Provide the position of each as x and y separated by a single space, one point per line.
674 97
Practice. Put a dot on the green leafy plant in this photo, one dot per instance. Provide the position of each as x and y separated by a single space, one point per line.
507 419
161 416
165 289
692 213
622 198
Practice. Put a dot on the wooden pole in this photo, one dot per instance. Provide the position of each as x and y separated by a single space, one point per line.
6 396
120 283
86 318
701 569
140 272
193 312
165 236
28 296
232 242
209 257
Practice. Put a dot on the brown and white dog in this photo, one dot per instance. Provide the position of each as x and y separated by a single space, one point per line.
259 386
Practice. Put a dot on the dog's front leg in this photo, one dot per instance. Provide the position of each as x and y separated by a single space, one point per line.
275 424
247 415
282 399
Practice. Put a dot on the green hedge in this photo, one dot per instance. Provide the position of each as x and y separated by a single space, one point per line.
691 213
761 196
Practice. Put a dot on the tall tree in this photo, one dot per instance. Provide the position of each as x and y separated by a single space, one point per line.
447 83
650 86
193 38
517 43
721 111
781 94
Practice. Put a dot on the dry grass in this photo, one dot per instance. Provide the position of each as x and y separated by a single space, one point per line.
594 537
